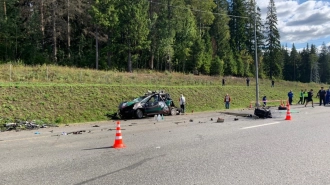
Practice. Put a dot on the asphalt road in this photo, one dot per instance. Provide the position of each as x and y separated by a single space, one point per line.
175 151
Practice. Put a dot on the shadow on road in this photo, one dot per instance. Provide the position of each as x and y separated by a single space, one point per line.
131 167
101 148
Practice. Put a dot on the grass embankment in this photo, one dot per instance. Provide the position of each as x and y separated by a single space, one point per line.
55 94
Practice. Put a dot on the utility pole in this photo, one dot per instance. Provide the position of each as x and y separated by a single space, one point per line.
256 55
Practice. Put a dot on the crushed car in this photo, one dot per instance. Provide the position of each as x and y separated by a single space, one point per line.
151 103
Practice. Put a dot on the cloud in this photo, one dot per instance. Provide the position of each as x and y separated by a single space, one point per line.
301 21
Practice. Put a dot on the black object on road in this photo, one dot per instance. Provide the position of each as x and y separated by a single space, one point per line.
262 113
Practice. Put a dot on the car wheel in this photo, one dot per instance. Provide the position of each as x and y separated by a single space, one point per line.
139 113
173 112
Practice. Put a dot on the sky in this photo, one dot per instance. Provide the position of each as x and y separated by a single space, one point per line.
301 21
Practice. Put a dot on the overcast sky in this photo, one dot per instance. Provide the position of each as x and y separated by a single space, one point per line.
301 21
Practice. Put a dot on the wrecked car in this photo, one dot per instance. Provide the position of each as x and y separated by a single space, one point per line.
152 103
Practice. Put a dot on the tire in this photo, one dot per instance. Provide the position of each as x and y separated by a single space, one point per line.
139 114
173 111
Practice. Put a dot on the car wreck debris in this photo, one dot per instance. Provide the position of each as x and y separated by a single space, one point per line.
19 125
150 104
220 120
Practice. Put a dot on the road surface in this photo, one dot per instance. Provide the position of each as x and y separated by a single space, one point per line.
186 149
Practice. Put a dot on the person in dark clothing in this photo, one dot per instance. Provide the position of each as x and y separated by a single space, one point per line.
247 81
273 83
310 97
327 97
290 95
301 97
223 82
321 94
264 99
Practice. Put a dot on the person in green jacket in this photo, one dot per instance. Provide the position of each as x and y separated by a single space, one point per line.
301 97
305 96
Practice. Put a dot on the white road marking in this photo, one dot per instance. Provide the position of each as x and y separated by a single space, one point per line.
261 125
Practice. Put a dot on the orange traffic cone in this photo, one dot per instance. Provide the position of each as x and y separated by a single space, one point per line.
250 105
288 114
119 139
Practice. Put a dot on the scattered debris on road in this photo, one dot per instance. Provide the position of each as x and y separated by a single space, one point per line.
19 125
111 129
220 120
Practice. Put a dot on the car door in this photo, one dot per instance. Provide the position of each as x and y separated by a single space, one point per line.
153 106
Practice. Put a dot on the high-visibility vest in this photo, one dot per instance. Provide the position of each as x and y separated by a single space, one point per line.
305 94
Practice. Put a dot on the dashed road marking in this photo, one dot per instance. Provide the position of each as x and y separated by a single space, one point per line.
22 139
260 125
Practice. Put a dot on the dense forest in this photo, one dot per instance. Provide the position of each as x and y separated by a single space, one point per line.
210 37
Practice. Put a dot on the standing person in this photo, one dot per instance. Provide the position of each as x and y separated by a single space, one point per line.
327 97
301 97
223 82
321 94
264 99
273 83
227 101
290 95
183 103
247 81
310 97
305 96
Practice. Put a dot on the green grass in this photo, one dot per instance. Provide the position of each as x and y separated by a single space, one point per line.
56 94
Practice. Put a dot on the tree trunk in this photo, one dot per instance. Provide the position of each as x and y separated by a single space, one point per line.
169 63
68 27
5 9
109 58
54 33
129 62
42 22
151 62
97 49
109 53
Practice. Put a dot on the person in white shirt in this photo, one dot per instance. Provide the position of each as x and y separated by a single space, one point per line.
182 103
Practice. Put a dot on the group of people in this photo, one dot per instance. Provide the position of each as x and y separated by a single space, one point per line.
182 99
306 97
247 82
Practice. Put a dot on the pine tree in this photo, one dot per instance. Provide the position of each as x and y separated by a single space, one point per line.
305 65
203 14
313 58
220 31
273 58
105 16
134 28
288 71
185 34
324 62
254 19
238 24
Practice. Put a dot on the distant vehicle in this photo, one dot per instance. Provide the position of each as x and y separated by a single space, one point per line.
152 103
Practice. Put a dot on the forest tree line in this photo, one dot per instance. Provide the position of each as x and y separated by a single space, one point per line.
211 37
